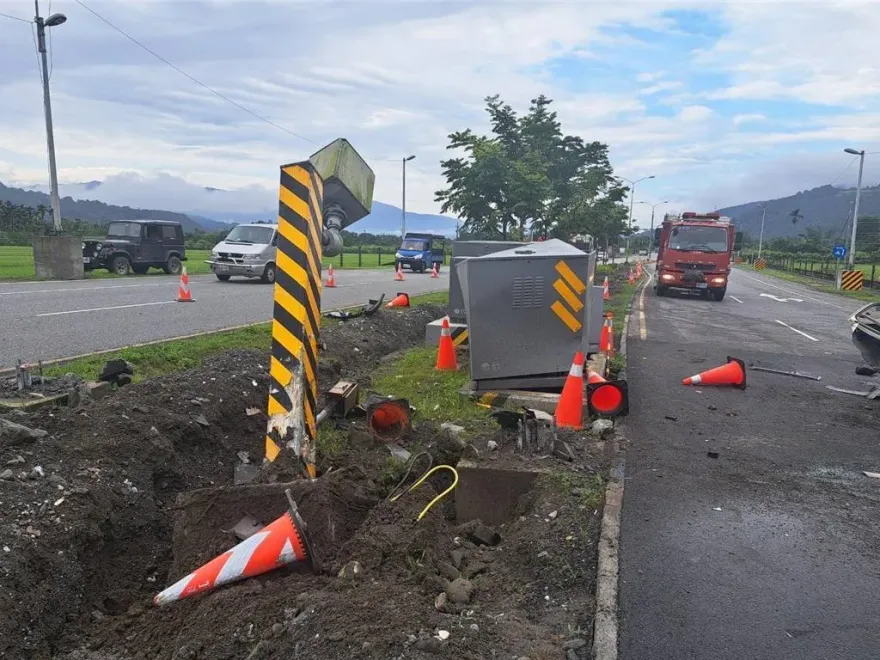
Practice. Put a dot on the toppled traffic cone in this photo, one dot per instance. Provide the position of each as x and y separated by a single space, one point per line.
570 409
282 542
398 274
606 337
331 278
732 373
435 271
400 300
388 418
183 293
606 290
605 397
446 360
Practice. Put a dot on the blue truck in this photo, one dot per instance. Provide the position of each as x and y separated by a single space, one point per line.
419 252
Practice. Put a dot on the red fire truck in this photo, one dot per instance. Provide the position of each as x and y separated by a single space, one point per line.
694 252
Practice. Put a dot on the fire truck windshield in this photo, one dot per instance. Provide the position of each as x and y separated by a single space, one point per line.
691 238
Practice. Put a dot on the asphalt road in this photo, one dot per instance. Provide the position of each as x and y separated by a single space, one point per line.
47 320
771 550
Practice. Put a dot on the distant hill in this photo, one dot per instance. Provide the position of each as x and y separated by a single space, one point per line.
826 208
93 211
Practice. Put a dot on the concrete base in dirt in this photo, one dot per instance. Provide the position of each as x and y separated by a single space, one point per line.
58 258
459 332
490 494
98 390
545 401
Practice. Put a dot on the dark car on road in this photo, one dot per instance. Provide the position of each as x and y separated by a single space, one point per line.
136 246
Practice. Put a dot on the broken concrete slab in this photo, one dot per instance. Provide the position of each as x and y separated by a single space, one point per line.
490 494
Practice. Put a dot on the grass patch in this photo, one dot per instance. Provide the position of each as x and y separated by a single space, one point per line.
868 295
434 394
435 298
589 489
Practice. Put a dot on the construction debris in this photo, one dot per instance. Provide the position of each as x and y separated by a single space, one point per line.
796 374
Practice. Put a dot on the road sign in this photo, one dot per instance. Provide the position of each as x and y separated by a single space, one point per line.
760 263
839 251
852 280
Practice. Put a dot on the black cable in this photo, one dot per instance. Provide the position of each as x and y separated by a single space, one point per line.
192 78
15 18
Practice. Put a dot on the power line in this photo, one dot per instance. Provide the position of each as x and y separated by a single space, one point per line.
15 18
192 78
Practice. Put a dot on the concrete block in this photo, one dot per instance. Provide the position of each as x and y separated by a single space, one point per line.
58 257
490 494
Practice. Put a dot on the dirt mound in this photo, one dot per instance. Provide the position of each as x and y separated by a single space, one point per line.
86 513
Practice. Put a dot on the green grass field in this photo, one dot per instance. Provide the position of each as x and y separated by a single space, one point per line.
17 263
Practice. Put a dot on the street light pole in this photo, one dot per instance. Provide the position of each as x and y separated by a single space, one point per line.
651 236
632 196
761 235
403 201
52 21
855 224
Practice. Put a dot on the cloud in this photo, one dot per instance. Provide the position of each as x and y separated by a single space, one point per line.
700 93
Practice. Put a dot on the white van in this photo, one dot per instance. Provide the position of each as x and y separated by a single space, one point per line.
248 251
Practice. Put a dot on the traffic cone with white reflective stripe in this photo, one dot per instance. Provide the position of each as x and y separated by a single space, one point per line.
331 278
183 293
435 271
606 290
570 409
631 278
606 337
732 373
606 397
282 542
446 360
398 275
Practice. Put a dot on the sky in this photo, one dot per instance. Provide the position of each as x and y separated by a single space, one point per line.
722 102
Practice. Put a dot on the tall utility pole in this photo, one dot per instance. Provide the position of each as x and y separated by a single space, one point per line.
632 196
651 236
52 21
761 235
403 203
852 242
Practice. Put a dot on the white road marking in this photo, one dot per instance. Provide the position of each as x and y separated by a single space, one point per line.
736 299
101 309
782 288
170 285
643 327
777 299
796 330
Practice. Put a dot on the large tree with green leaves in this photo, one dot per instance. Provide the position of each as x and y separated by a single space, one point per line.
528 177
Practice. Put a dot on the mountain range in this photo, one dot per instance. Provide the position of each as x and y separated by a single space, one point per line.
826 208
133 196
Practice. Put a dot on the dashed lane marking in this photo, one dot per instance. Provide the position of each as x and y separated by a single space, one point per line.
800 332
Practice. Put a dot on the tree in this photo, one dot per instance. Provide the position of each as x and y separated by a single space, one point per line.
528 178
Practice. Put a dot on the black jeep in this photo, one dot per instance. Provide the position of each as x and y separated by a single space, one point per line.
136 246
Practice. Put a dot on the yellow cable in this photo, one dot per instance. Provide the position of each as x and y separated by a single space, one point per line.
422 479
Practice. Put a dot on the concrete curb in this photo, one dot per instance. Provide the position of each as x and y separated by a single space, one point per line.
605 625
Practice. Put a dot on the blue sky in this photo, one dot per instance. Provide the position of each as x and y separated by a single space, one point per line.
722 102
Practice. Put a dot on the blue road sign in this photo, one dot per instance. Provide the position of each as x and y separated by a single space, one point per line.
839 251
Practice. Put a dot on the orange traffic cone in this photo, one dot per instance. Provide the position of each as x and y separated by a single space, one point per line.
606 338
570 409
400 300
435 272
331 278
732 373
446 350
632 277
183 294
638 269
282 542
606 398
398 275
606 293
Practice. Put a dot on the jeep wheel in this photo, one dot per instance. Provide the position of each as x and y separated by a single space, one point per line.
120 266
173 266
140 269
222 278
269 274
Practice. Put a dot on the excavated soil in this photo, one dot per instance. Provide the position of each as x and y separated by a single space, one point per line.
129 493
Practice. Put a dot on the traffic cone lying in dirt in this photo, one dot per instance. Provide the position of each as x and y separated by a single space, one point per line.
183 294
732 373
606 292
446 360
331 278
606 337
400 300
605 397
435 271
282 542
570 408
398 274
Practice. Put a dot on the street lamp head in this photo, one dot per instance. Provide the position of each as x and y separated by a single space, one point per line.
853 151
55 19
409 157
650 177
